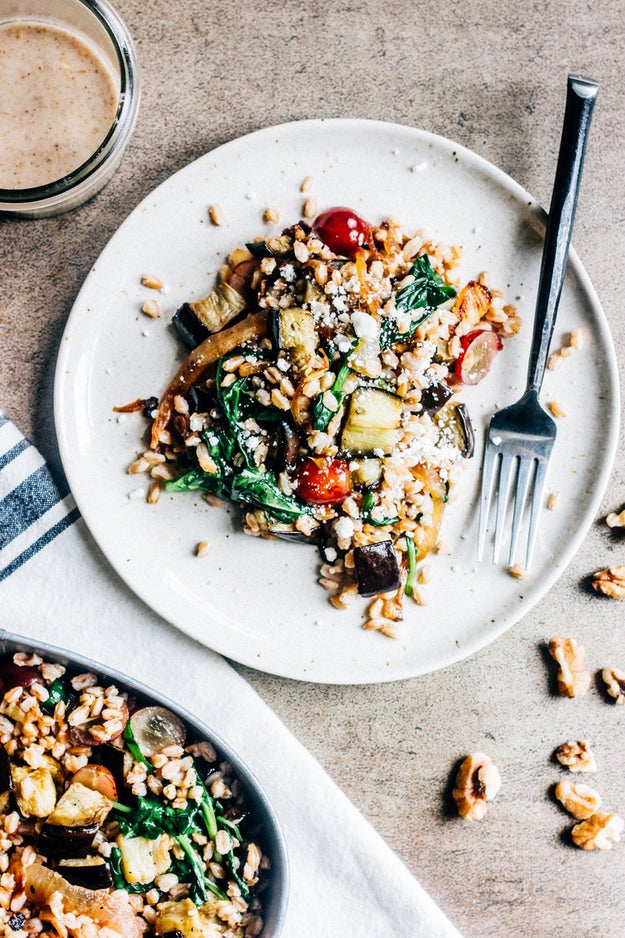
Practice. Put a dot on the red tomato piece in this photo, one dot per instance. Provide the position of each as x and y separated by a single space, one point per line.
478 349
323 481
342 230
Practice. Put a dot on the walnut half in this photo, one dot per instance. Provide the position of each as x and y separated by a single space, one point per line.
615 684
599 832
581 801
576 756
610 582
477 782
573 678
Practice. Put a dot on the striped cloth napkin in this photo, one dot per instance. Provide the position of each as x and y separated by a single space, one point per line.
56 587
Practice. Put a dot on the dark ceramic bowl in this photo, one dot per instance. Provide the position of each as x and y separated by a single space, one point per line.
274 897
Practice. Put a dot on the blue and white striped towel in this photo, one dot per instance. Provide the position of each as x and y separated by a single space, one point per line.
56 587
34 508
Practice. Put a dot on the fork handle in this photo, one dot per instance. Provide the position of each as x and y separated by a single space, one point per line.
580 101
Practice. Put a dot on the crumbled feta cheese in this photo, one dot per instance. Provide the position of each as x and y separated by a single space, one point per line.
343 344
344 528
319 310
196 422
288 273
365 326
340 303
330 554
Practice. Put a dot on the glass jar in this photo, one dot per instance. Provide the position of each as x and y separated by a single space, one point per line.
97 25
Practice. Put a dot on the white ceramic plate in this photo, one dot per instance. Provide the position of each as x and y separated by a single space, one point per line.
258 602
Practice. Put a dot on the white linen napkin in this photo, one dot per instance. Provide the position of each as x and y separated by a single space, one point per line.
56 587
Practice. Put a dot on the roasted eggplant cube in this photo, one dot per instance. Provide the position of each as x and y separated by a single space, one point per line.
366 473
6 779
295 329
377 570
455 423
89 872
372 424
79 806
259 249
59 840
288 446
435 397
189 328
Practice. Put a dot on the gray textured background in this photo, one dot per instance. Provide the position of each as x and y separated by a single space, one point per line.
492 76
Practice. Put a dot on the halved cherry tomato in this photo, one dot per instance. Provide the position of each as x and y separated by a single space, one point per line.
342 230
478 349
323 481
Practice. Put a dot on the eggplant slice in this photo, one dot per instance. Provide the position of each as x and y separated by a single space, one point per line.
377 570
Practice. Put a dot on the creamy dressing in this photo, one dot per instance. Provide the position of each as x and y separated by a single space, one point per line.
58 102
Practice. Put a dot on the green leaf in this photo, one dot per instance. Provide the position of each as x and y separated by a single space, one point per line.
368 504
261 490
427 291
245 889
411 550
198 881
151 818
322 415
57 691
230 402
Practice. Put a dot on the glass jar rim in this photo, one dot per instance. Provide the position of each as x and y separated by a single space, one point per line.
121 127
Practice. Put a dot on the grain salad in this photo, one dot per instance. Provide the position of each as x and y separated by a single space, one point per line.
114 821
320 393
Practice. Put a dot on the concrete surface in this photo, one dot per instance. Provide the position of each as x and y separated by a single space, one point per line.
490 75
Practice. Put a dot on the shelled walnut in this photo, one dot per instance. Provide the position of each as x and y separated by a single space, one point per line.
599 832
477 782
581 801
615 684
573 678
610 582
577 756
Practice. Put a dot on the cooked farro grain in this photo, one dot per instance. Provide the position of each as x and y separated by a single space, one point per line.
557 409
151 308
554 500
152 282
216 215
272 214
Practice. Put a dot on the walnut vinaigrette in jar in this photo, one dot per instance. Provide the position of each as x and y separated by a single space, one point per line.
59 102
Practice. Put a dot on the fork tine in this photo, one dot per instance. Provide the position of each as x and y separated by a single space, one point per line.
505 478
537 499
520 495
488 473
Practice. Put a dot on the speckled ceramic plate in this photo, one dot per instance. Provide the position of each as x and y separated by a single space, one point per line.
256 601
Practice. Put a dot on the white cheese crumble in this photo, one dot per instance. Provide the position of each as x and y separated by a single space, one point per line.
288 273
344 528
365 326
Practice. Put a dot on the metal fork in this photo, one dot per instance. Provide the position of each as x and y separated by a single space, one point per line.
520 438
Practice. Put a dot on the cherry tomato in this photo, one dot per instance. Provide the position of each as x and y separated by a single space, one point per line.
323 481
342 230
478 349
